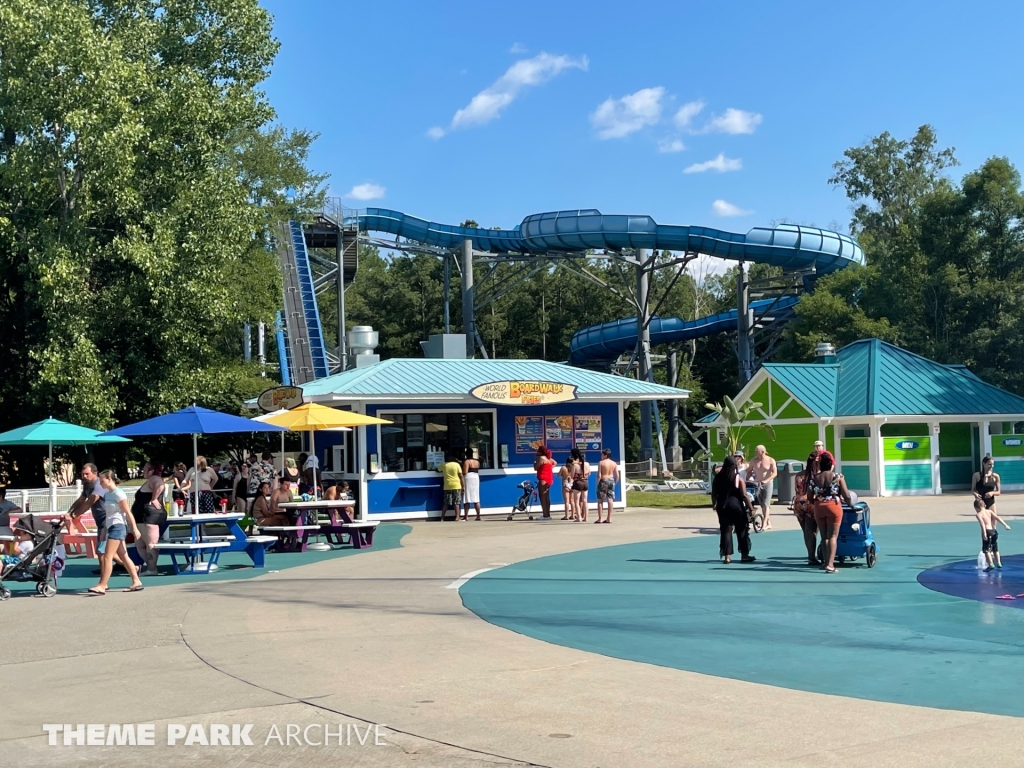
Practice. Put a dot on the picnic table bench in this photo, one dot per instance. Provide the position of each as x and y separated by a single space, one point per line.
289 538
360 532
234 540
193 553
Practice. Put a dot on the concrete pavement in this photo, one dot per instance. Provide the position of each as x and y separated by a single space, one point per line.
379 638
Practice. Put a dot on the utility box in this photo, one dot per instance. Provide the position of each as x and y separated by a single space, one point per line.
445 346
789 470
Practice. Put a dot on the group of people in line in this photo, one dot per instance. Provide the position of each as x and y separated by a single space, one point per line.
461 484
574 475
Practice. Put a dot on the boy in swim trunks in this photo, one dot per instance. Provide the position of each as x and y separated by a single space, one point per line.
607 479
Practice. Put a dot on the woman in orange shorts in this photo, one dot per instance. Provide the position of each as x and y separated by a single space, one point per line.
827 490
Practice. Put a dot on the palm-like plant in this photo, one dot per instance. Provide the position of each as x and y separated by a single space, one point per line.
736 425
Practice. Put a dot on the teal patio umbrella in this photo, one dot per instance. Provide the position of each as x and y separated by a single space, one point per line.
51 432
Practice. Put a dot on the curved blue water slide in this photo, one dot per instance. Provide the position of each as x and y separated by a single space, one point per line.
789 246
601 345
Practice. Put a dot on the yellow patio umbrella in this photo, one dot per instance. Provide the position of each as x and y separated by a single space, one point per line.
311 417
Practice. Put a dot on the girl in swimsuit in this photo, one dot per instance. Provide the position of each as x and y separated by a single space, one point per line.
986 488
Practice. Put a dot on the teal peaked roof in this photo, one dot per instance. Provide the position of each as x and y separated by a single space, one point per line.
413 379
874 378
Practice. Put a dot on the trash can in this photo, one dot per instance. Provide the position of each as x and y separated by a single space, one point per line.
789 469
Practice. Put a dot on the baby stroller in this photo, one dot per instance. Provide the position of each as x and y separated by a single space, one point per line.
42 563
526 500
757 517
855 539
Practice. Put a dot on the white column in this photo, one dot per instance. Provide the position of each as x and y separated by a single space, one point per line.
933 429
986 440
876 453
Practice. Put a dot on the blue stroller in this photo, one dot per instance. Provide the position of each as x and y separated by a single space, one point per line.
855 538
526 501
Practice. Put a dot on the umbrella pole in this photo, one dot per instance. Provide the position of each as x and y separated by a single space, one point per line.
312 452
195 481
281 454
53 488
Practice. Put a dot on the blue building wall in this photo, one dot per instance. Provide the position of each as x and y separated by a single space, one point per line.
412 492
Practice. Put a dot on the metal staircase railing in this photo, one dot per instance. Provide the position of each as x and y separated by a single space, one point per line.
310 311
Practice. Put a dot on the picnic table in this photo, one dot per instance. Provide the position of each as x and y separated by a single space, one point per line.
360 532
201 543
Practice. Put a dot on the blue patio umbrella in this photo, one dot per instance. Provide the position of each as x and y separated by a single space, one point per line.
193 421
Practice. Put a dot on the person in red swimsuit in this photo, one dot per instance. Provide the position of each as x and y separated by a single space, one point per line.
544 465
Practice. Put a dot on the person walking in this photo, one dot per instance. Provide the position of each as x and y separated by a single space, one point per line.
804 512
471 481
607 479
543 464
986 487
827 491
451 472
148 511
729 498
92 500
118 519
763 470
291 473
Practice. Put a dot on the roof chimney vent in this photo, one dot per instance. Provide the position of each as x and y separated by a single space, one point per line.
824 353
362 340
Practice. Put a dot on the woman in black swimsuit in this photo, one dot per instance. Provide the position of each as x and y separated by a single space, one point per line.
986 488
149 514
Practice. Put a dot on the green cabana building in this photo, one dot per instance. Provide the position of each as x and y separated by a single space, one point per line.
897 423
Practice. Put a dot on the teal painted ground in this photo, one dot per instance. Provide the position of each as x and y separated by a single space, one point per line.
873 634
78 575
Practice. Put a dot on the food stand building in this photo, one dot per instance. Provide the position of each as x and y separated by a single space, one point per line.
500 409
897 423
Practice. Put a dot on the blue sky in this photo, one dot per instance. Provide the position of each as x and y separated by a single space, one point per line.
727 114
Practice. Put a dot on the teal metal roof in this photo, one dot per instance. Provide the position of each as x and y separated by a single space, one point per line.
413 379
874 378
812 385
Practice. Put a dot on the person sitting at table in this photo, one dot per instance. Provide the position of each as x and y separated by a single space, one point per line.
276 515
259 508
331 493
343 491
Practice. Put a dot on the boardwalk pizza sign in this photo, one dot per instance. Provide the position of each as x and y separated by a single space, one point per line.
524 392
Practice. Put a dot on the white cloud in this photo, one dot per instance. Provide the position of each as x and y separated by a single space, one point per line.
684 116
490 102
734 121
671 145
366 192
615 118
722 208
518 48
720 164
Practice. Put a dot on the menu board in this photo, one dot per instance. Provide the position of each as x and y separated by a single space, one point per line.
529 433
588 432
558 433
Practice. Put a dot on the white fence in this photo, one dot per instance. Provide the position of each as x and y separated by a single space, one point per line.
39 499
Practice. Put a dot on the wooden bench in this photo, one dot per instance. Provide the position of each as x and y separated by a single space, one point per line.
360 533
290 538
192 551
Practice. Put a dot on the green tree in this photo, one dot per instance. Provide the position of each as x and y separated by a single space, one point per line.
138 171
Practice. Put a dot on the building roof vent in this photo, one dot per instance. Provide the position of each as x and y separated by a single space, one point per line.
825 353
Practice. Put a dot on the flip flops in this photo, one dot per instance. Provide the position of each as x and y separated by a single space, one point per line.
134 588
94 591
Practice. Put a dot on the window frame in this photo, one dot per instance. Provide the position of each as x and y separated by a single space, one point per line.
384 413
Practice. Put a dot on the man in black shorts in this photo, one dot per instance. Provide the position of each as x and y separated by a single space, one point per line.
92 498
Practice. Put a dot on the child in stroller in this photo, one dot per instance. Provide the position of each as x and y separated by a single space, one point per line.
41 556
